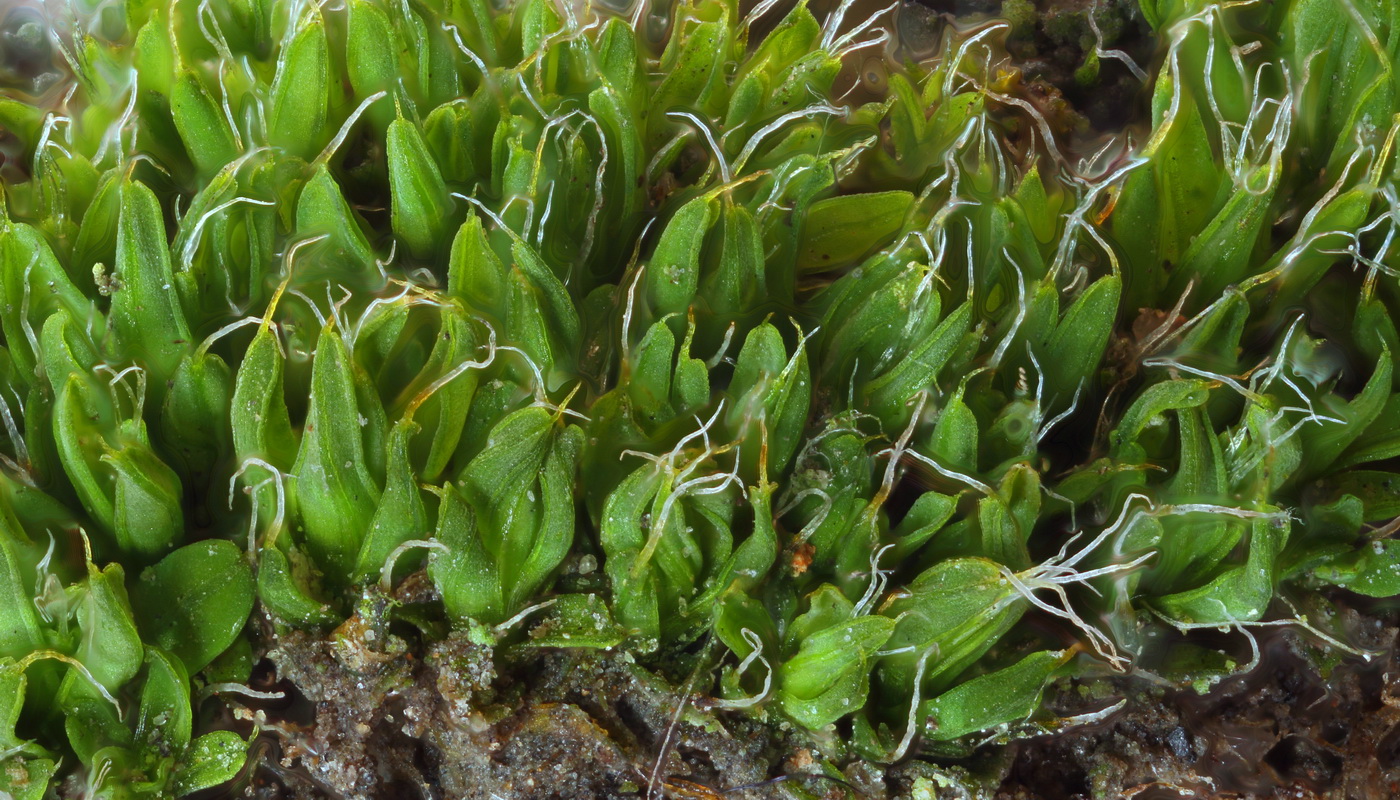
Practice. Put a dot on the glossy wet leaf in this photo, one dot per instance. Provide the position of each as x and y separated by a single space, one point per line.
674 269
111 646
146 311
829 676
1239 593
577 620
322 210
997 698
335 492
1326 443
1079 340
400 515
21 630
1372 570
842 229
300 90
164 717
889 394
961 607
214 758
27 779
195 601
753 341
147 516
202 125
33 286
283 590
420 203
371 59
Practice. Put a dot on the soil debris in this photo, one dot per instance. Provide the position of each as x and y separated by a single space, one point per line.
369 720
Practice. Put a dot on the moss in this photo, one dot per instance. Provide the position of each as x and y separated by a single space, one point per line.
1088 72
1068 27
1022 15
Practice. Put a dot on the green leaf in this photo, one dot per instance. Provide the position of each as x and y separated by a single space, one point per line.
194 421
648 385
475 274
739 279
560 313
296 115
612 106
617 54
285 592
1077 345
1154 402
673 272
421 205
371 57
1195 543
1165 205
33 286
146 313
466 575
1240 593
20 629
195 602
812 73
790 40
1372 569
89 718
1220 255
164 718
258 420
1325 443
1002 540
692 73
539 19
334 490
78 441
888 395
147 517
997 698
400 515
577 620
444 412
771 395
202 125
1378 491
961 606
521 490
829 676
929 514
1313 250
449 135
840 230
97 236
214 758
321 210
1380 441
110 647
26 779
623 534
954 437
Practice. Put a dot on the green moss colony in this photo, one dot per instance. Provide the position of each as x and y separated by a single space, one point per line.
882 393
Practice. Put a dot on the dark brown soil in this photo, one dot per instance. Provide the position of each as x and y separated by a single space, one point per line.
1281 731
364 719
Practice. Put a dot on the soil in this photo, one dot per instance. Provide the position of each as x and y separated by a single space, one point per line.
363 718
1286 729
